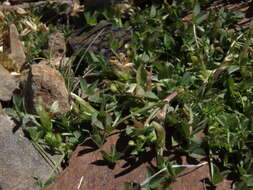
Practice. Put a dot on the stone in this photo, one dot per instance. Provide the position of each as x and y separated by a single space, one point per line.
14 47
19 160
88 170
56 49
197 178
241 7
99 38
45 86
8 84
56 44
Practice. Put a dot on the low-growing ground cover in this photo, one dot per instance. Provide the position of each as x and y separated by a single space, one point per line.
183 88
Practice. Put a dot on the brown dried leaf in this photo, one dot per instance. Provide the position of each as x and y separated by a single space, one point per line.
21 11
2 16
76 9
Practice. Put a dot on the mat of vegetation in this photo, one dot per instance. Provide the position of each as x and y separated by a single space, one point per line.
185 88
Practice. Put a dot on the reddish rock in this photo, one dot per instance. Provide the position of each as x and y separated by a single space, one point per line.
44 86
192 179
88 167
197 179
88 171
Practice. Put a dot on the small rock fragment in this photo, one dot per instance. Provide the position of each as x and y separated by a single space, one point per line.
44 86
14 47
57 50
56 44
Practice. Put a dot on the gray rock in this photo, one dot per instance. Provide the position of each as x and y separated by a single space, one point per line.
56 44
99 38
19 161
7 84
56 49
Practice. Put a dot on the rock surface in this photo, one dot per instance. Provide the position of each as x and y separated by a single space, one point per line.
8 85
44 86
99 38
238 6
89 171
19 161
197 179
57 50
14 47
56 44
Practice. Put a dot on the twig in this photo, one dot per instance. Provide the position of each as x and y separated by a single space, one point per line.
195 35
80 183
56 167
44 155
161 115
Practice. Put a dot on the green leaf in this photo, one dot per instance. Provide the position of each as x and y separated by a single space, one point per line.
141 76
35 133
153 11
95 122
201 18
197 152
160 133
98 139
151 95
217 176
90 19
155 182
45 119
248 179
196 10
140 91
83 84
53 139
107 156
54 107
85 106
11 112
168 40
